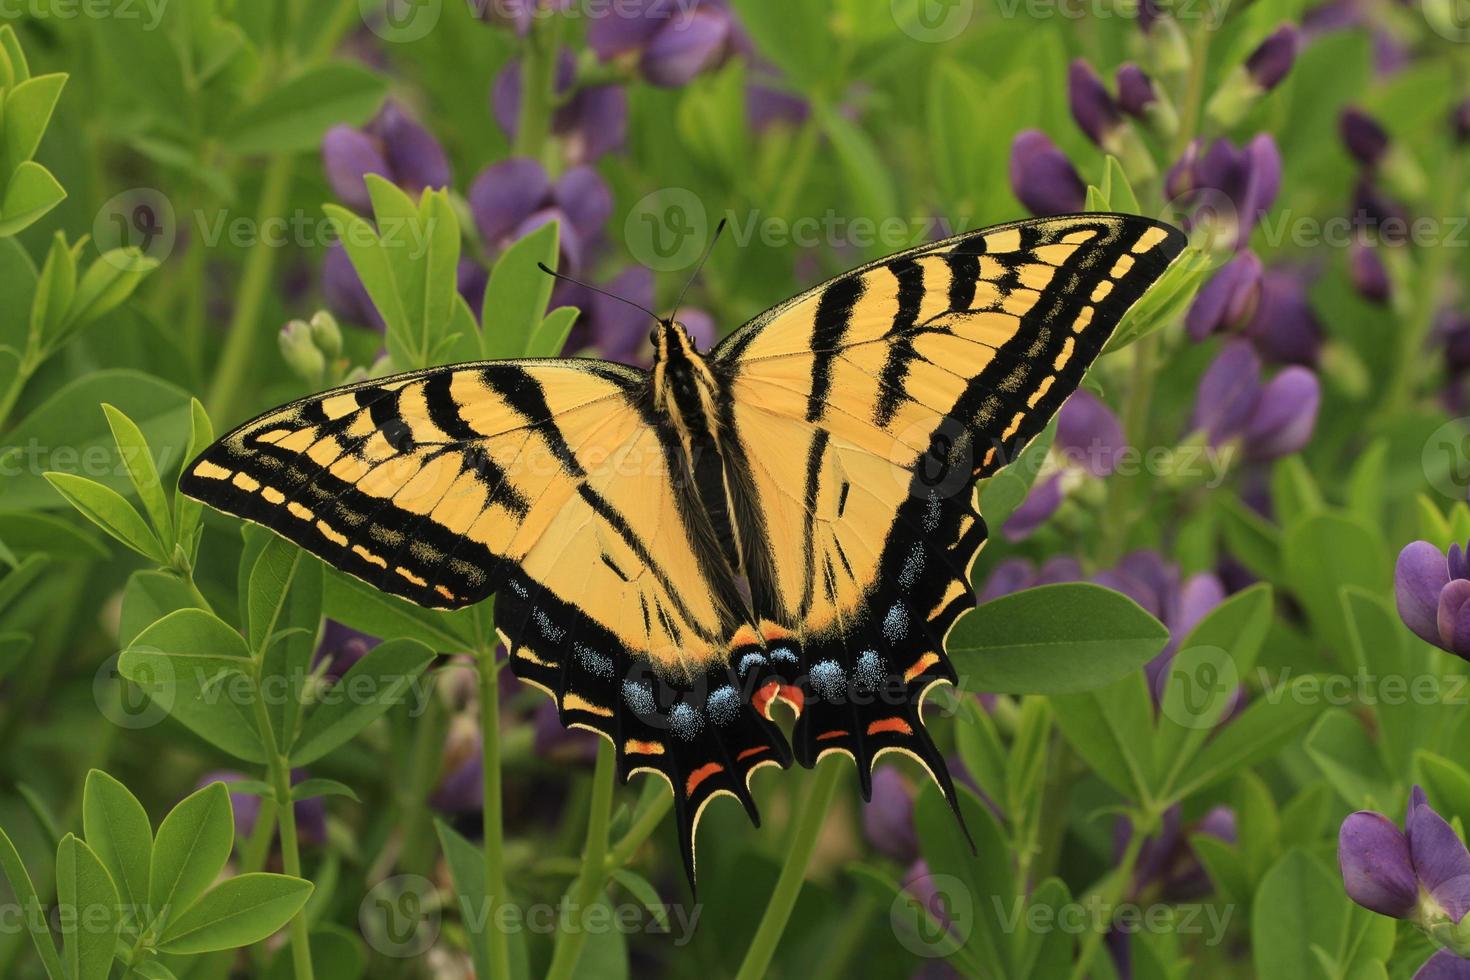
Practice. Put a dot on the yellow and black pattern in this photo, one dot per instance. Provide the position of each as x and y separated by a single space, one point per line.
674 552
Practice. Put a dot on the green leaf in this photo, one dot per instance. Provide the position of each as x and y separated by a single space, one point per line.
67 434
548 339
912 921
1054 639
1445 782
981 749
1120 192
117 829
285 593
13 650
27 533
295 115
187 511
309 789
192 846
133 448
642 889
869 185
373 685
1224 866
1383 656
517 294
198 670
87 906
107 284
358 605
54 290
148 597
1006 490
467 871
108 509
31 193
961 874
1270 720
237 912
1299 904
20 578
370 261
1110 729
25 890
1251 539
1325 551
28 108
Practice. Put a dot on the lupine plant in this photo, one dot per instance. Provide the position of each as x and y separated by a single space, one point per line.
1197 680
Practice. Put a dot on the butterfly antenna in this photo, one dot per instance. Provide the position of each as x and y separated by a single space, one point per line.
587 285
697 267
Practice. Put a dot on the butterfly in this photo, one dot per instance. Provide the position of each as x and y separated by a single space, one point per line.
787 518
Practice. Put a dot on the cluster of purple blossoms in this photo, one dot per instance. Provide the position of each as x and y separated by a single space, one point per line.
1088 444
1420 874
1267 419
1432 591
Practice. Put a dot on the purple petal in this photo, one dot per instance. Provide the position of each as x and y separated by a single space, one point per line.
1377 870
340 648
1419 575
344 292
1453 617
594 123
631 29
1228 392
766 107
1263 179
1444 965
347 156
888 819
1284 325
1273 58
1089 435
1093 108
1135 90
1364 138
1198 596
1440 860
1228 299
1058 568
1042 502
618 330
471 278
1011 575
1369 274
683 48
584 196
415 158
1286 415
701 326
505 93
1042 178
504 195
570 249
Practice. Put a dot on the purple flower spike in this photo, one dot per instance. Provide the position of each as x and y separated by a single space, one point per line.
1377 870
1042 177
1092 106
1286 415
1135 90
591 122
1228 300
1273 58
1285 328
1364 138
1369 274
415 158
888 820
1419 576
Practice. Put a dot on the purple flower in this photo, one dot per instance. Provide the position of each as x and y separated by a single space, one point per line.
1432 589
1089 441
1422 873
340 648
1273 57
888 819
1228 300
514 197
1444 965
1248 179
461 785
590 123
393 146
344 292
1271 419
515 14
670 42
1364 138
768 105
1168 867
311 815
1369 274
1136 90
1092 106
1042 177
1019 574
1377 213
1284 328
556 742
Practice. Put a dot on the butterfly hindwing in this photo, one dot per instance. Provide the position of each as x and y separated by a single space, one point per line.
890 391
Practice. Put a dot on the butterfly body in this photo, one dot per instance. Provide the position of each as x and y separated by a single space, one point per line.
787 519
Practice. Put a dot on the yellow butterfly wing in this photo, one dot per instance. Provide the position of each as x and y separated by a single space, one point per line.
862 414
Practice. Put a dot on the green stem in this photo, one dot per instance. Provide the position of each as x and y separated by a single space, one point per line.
417 856
1110 891
494 833
593 876
803 834
1135 427
243 334
1400 390
538 87
291 862
643 827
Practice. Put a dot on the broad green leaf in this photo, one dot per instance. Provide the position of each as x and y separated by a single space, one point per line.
1323 552
138 459
237 912
467 871
642 889
54 291
371 262
68 434
309 789
962 874
148 597
294 115
28 533
1270 720
25 892
117 829
1445 782
373 685
87 906
28 108
981 749
285 594
1226 870
548 339
355 603
517 294
110 511
190 850
31 193
186 509
1298 904
107 284
1111 728
1054 639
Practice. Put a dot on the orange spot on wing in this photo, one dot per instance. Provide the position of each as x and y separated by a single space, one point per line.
920 665
745 636
634 747
700 775
834 733
890 725
746 754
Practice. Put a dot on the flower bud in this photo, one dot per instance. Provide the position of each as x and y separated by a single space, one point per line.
301 353
326 334
1262 72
